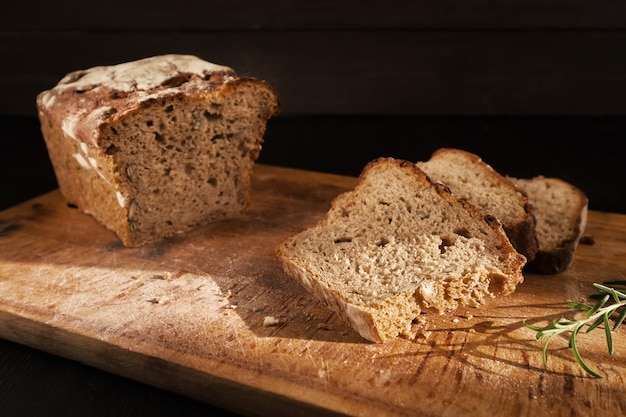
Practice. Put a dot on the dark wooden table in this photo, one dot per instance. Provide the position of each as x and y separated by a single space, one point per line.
34 383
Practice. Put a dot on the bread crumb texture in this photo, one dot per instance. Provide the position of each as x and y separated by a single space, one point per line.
153 147
398 246
468 176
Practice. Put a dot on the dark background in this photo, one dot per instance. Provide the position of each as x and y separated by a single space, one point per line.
532 86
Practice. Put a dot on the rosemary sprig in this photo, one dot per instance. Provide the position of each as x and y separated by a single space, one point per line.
597 315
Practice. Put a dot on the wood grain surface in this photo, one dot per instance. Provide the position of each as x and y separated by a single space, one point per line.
210 314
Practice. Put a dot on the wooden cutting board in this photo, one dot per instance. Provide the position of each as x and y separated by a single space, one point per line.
210 315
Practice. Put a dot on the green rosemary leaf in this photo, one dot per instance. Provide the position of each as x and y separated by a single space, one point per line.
598 305
563 324
605 289
617 295
533 328
615 282
595 324
607 332
596 315
620 318
577 355
544 355
580 306
545 349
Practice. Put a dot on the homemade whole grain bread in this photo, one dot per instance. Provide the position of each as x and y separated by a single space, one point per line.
397 246
153 147
561 213
469 177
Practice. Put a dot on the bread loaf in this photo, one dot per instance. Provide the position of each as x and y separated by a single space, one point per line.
469 177
153 147
397 246
561 212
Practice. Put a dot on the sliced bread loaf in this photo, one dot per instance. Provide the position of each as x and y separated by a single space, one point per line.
153 147
561 212
397 246
469 177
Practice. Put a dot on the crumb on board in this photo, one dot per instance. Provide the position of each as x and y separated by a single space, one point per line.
467 315
166 276
232 305
587 240
324 326
423 335
270 321
161 299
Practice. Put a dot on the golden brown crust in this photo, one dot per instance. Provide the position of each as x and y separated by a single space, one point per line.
86 99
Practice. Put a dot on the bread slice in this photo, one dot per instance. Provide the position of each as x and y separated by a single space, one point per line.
397 246
153 147
469 177
561 212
